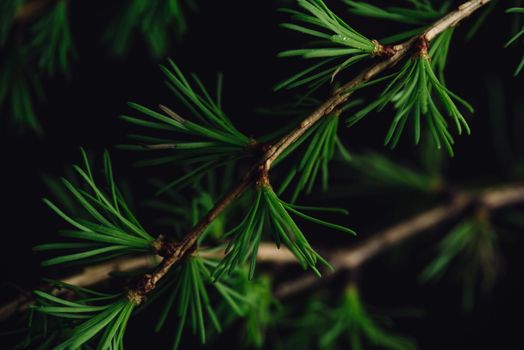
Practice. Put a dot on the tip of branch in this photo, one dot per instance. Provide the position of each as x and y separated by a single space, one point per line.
134 297
383 51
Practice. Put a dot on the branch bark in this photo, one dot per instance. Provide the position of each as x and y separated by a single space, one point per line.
93 275
354 257
177 251
348 258
344 259
89 276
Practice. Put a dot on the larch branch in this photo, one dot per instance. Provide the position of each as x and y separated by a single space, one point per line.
344 259
352 258
176 251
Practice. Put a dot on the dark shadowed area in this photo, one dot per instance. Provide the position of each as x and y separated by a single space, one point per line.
242 39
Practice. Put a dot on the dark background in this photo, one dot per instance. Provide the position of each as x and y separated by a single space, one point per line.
241 39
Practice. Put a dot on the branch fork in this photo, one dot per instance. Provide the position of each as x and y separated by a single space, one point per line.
174 252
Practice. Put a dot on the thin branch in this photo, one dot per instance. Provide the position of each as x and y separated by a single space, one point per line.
344 259
93 275
173 252
344 92
89 276
454 18
354 257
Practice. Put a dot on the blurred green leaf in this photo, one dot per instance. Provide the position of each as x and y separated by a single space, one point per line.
470 250
51 41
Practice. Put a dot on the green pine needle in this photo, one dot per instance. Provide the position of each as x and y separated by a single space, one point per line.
158 22
420 13
378 170
189 299
260 314
211 142
268 210
439 52
19 85
412 93
340 46
469 251
52 41
481 19
111 229
353 322
346 325
516 37
180 213
323 142
7 14
97 314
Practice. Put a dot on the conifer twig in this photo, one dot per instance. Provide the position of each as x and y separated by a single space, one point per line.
175 251
352 258
88 277
344 259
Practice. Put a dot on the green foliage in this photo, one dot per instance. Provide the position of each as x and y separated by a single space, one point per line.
433 161
416 13
323 142
472 246
412 93
340 46
516 37
7 14
18 83
268 210
50 46
212 142
204 295
111 230
439 50
158 22
189 300
45 332
347 325
481 19
51 41
94 314
182 213
260 314
378 170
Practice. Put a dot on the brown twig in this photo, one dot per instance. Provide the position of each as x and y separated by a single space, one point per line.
178 250
89 276
350 258
93 275
354 257
173 252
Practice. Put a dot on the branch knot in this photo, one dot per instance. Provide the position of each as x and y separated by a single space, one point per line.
383 51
